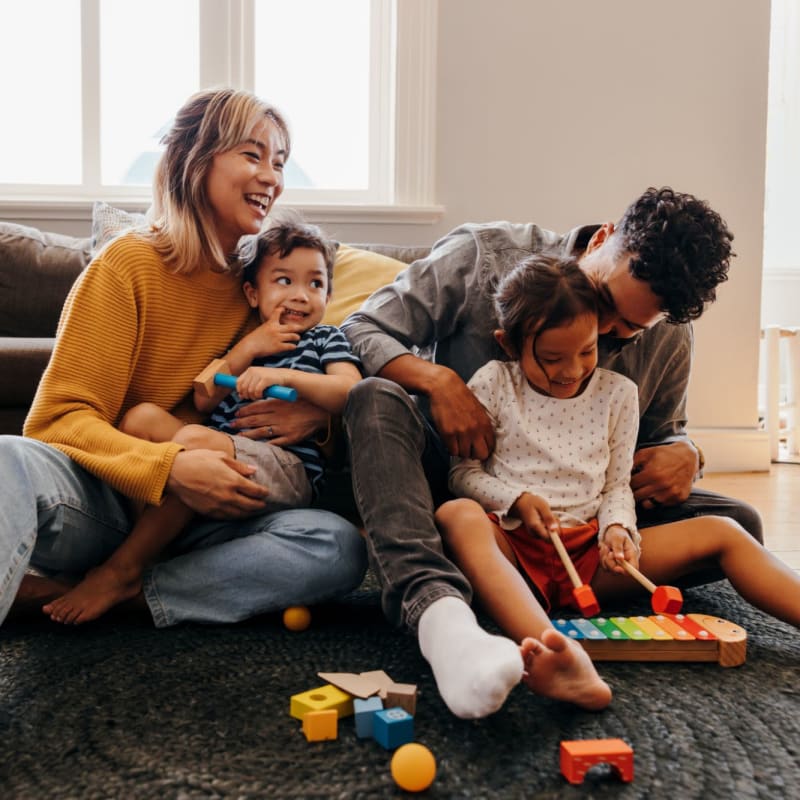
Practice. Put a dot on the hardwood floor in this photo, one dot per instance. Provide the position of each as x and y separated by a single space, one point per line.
775 494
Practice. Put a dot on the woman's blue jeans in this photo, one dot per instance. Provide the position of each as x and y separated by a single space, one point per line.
58 518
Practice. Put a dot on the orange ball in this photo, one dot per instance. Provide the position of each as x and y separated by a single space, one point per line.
413 767
297 618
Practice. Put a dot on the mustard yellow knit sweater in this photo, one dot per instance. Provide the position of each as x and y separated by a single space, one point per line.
130 332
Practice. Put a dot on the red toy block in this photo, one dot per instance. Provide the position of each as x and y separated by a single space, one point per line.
577 757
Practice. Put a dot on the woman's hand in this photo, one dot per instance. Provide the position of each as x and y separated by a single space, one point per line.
280 421
615 546
215 485
534 511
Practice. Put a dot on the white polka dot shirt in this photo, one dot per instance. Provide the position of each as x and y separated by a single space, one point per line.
576 453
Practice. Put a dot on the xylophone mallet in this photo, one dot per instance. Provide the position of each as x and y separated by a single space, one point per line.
665 599
582 592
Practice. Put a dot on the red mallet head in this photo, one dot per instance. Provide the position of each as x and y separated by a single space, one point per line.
667 600
587 602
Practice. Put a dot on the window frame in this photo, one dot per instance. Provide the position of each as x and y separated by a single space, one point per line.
402 119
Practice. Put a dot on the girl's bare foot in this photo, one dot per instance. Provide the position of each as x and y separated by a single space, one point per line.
102 588
559 668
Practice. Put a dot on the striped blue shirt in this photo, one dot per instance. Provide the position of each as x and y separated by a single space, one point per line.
318 347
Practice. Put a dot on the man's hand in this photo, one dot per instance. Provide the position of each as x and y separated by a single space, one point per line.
461 420
211 483
617 545
663 474
535 512
280 421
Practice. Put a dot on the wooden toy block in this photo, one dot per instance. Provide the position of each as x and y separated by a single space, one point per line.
659 637
403 695
357 685
392 727
323 698
582 592
664 599
364 710
204 382
379 677
577 757
320 725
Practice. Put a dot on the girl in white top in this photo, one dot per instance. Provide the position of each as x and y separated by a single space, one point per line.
565 436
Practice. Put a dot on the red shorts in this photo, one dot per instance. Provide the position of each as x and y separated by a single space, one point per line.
538 559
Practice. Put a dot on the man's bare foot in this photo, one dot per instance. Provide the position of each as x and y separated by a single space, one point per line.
557 667
101 589
34 591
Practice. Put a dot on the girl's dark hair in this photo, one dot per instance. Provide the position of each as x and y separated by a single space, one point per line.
280 238
543 291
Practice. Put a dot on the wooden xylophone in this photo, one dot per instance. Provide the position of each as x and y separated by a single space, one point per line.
660 637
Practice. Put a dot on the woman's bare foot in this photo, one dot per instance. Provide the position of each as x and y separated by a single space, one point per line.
557 667
102 588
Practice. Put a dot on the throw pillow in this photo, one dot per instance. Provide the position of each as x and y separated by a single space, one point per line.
108 222
356 275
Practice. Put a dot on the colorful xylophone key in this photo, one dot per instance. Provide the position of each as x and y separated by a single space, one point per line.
659 637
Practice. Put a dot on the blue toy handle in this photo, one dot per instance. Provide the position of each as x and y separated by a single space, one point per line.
276 391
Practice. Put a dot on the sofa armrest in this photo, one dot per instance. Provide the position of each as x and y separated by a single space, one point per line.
22 362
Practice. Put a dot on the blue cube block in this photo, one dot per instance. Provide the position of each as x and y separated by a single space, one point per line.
365 712
393 727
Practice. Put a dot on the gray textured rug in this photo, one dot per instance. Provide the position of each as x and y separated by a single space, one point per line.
117 709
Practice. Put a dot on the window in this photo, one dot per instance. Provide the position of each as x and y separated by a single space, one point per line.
103 77
783 136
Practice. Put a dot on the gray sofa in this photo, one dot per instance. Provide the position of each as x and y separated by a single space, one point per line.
37 270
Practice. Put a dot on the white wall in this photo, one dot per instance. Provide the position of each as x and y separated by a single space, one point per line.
562 111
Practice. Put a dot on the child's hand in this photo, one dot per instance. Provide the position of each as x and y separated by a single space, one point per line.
274 336
617 545
535 513
254 380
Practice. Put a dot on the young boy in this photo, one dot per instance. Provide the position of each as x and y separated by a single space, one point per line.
288 280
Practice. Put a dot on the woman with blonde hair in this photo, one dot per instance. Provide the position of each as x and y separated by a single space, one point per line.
149 313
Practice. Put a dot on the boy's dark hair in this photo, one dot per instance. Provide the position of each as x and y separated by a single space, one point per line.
280 239
680 246
543 291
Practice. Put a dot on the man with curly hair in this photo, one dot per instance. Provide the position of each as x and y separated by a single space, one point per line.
429 331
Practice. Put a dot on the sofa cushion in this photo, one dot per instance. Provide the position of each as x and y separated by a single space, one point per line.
357 273
37 270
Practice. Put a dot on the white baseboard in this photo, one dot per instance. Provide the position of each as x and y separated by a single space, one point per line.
733 449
